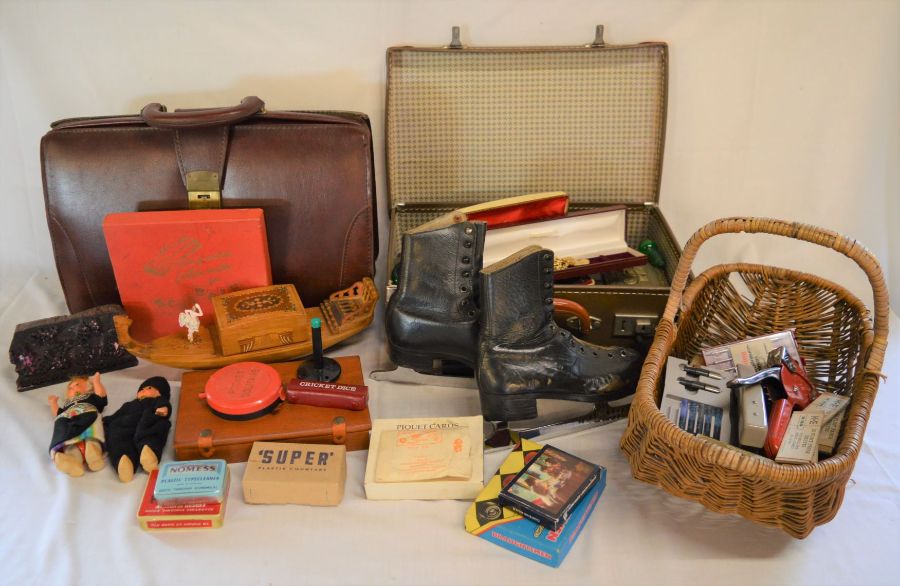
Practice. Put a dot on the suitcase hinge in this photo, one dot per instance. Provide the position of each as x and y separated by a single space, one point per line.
203 190
455 43
598 37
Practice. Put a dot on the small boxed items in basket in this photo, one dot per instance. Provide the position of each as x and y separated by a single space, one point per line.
700 404
839 346
770 406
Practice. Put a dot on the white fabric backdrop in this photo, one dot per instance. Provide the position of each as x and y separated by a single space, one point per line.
782 109
786 109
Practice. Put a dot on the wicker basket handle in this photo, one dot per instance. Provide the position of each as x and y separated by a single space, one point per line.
846 246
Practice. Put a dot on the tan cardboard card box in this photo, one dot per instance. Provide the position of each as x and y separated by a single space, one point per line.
302 474
406 461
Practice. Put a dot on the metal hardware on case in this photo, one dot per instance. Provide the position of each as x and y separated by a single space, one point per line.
627 325
203 190
574 323
205 443
455 43
339 430
598 37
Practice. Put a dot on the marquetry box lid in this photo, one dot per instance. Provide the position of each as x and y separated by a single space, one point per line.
259 318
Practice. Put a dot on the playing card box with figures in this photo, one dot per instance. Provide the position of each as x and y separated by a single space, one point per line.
489 519
549 487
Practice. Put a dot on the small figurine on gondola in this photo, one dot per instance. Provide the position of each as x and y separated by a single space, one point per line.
190 319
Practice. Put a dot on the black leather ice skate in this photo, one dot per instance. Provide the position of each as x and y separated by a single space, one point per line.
523 356
433 315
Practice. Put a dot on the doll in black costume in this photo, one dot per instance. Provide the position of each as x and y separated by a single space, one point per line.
77 431
138 431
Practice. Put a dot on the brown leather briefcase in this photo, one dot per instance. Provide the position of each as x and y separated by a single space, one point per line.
310 172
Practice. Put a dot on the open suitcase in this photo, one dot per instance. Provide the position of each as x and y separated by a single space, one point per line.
473 124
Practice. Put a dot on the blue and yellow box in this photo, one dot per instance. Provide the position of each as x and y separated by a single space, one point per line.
487 519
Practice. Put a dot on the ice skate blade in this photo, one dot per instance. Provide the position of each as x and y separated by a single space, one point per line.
556 418
408 376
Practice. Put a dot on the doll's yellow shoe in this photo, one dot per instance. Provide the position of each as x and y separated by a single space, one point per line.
93 456
68 464
149 461
125 469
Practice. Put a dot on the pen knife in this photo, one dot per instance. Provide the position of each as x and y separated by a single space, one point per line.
696 385
698 371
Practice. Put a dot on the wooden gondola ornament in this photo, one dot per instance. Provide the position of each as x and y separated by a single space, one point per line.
267 324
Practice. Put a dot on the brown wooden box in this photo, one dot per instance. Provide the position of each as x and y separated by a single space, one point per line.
199 433
473 124
260 318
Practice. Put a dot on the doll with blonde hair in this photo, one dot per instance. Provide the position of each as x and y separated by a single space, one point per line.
78 437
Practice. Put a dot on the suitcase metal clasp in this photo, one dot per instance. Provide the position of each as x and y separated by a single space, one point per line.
203 190
455 43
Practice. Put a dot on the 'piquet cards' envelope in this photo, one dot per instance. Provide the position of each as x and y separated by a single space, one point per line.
405 456
425 458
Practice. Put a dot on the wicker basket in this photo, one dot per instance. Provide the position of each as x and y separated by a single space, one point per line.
843 353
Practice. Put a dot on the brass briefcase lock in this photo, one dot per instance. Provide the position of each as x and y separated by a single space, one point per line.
203 190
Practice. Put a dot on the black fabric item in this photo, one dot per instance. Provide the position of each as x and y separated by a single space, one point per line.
136 425
433 314
66 428
524 356
160 384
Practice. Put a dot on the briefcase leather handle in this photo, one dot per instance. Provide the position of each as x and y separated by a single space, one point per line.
155 114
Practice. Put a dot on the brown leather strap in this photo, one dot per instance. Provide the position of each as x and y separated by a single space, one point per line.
155 114
205 443
202 149
339 431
